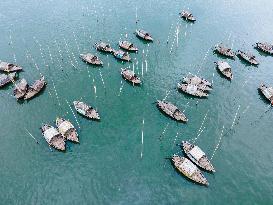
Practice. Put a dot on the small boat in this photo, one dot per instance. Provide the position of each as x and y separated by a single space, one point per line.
35 88
86 110
195 80
187 16
9 67
90 58
247 57
267 92
197 156
144 35
221 49
104 47
171 110
130 76
121 55
20 89
265 47
7 78
53 137
66 128
190 170
225 69
192 90
127 46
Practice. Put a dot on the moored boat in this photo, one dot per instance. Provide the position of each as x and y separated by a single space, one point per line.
86 110
127 46
66 128
195 80
265 47
144 35
190 170
130 76
192 90
121 55
9 67
267 92
171 110
104 47
197 156
225 69
7 78
35 88
53 137
187 16
20 89
90 58
248 57
225 51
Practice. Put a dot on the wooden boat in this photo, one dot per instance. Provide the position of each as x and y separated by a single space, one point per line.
7 78
247 57
267 92
197 156
9 67
121 55
192 90
144 35
195 80
265 47
127 46
190 170
104 47
35 88
90 58
53 137
86 110
221 49
225 69
172 111
20 89
66 128
187 16
130 76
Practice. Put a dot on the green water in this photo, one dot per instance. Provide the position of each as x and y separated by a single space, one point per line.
111 165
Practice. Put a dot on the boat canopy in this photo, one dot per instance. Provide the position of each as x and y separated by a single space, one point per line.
188 166
196 152
191 89
3 77
268 93
65 126
50 133
223 66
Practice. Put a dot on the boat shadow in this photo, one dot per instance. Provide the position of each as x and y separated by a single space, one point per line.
189 96
262 53
246 63
37 95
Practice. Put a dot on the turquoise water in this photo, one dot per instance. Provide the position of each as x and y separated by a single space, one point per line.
111 165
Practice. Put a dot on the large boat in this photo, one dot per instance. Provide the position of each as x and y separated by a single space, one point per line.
86 110
66 128
35 88
144 35
9 67
197 156
248 57
90 58
127 46
171 110
121 55
104 47
53 137
225 51
130 76
225 69
190 170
